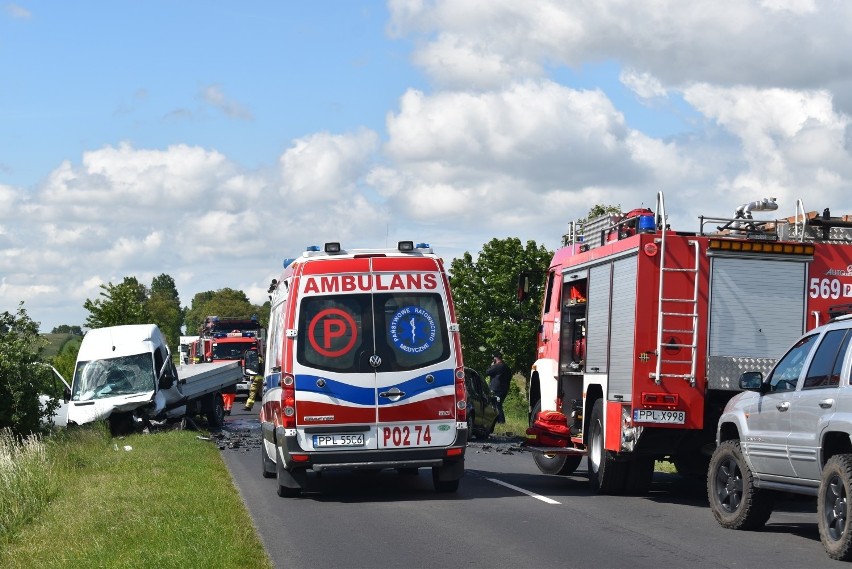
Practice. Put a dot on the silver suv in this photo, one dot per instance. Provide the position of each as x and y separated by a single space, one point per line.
791 432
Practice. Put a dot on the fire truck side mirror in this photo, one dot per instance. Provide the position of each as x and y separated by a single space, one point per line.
251 363
523 286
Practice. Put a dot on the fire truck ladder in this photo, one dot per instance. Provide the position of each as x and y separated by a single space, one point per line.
684 322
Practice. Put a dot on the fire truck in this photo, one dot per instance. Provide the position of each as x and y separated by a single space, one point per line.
225 339
645 331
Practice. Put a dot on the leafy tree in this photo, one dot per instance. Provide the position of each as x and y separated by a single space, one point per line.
163 306
596 211
225 302
65 361
123 303
485 294
22 375
66 329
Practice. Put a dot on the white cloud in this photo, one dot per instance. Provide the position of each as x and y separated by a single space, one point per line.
213 95
644 85
18 12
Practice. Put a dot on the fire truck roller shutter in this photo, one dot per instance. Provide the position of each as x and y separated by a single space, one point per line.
597 318
621 356
757 310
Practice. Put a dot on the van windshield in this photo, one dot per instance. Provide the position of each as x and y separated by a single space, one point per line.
342 332
125 375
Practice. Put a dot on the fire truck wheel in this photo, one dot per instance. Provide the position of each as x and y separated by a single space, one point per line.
561 465
606 474
735 501
216 411
268 466
640 473
834 521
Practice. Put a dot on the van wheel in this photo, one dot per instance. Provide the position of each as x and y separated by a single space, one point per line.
269 468
835 491
471 432
443 486
284 477
216 411
735 501
606 474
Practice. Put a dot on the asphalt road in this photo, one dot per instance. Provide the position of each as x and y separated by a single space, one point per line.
505 514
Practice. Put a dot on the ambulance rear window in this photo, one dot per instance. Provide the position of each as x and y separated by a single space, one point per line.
340 333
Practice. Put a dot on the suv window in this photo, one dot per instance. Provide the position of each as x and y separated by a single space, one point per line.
824 370
786 373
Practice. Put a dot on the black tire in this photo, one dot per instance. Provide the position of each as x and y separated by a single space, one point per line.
268 467
640 474
284 491
606 474
833 502
443 486
558 464
734 500
216 411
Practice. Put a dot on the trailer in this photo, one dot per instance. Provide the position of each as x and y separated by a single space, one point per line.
645 331
124 375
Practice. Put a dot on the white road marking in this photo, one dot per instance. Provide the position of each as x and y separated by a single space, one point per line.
544 499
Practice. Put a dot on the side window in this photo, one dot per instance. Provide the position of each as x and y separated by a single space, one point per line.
786 373
549 292
824 370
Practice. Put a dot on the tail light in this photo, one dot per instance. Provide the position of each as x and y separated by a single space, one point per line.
288 401
461 396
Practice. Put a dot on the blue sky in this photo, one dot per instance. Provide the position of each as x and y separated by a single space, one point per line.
210 140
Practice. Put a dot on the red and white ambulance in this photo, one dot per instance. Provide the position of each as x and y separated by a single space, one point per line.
363 367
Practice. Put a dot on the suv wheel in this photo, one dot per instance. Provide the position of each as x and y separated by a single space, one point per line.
735 501
835 490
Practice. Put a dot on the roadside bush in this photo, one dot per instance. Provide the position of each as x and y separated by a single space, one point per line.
22 375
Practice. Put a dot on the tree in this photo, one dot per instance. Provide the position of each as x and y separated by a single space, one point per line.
485 293
225 302
119 304
164 308
65 361
66 329
23 376
596 211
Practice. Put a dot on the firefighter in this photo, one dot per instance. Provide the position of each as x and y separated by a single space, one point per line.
500 375
256 388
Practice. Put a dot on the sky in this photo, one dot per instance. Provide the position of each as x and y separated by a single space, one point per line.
211 140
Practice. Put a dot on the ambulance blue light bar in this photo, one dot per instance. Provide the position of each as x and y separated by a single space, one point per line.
423 246
313 248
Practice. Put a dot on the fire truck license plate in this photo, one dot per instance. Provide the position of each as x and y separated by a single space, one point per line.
338 440
658 416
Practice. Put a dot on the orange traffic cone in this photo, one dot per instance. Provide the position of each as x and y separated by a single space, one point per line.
228 400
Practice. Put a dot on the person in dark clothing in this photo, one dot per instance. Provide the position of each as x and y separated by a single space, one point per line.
499 376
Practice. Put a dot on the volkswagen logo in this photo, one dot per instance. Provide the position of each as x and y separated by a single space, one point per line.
375 360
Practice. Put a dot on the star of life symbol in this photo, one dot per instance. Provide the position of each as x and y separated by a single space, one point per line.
412 329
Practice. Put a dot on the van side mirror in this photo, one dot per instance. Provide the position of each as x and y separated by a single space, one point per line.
751 380
166 376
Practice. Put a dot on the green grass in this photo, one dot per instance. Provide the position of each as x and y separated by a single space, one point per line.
55 343
167 502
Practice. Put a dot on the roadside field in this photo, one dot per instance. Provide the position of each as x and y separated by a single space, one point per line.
154 500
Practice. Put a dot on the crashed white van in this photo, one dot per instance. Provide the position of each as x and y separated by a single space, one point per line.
125 375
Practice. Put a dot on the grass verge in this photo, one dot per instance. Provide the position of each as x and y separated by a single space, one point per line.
168 501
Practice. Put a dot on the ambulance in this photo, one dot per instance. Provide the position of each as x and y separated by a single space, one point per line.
363 369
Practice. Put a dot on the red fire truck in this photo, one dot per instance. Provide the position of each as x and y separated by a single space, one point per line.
225 339
645 331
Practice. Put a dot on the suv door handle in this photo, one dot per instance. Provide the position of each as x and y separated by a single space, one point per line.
783 406
826 403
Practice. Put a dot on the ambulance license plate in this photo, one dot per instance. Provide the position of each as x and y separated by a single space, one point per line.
339 440
659 416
